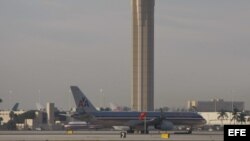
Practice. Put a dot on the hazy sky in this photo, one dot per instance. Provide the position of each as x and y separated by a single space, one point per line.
201 51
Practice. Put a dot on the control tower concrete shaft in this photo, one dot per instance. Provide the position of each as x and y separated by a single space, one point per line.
143 55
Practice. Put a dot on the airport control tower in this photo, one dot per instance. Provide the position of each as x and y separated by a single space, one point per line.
143 55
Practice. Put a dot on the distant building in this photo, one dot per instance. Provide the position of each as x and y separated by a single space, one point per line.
212 118
50 113
216 105
6 115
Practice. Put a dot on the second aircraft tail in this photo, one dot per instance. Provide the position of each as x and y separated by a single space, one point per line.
15 107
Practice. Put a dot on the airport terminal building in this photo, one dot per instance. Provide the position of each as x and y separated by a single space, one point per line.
210 110
216 105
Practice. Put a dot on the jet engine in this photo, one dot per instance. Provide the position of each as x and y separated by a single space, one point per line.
165 126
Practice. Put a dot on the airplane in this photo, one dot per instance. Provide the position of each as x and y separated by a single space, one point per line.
78 125
136 121
15 107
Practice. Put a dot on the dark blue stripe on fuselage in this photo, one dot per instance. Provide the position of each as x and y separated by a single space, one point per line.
177 118
149 114
171 116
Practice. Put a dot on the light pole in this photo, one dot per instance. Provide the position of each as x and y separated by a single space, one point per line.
39 98
10 93
145 126
101 98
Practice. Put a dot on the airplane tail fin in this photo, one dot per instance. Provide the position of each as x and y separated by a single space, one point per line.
15 107
81 101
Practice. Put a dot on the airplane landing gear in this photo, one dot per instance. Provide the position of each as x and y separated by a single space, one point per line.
189 131
143 132
131 130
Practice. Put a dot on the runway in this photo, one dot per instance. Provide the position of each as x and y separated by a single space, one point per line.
103 136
